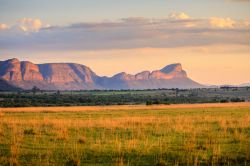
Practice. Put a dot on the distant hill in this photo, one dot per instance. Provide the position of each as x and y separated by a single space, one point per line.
245 84
5 86
71 76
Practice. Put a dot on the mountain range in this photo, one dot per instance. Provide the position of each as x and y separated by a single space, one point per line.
71 76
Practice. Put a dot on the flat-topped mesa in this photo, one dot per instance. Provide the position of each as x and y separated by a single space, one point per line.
15 70
71 76
66 73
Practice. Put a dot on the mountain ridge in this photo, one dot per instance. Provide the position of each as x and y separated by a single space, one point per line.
73 76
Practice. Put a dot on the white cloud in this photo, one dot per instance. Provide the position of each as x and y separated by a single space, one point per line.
222 22
127 33
29 24
246 23
179 16
3 26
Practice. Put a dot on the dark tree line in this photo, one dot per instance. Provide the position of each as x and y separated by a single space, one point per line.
38 98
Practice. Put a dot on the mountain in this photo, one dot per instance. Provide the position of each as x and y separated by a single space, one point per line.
70 76
171 76
245 84
5 86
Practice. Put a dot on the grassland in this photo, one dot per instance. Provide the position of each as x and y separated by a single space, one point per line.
199 134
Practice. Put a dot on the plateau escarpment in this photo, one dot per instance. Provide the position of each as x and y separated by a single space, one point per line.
71 76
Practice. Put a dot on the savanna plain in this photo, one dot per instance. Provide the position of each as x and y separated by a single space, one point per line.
184 134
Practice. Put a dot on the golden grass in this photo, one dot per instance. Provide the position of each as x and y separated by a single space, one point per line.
122 107
192 137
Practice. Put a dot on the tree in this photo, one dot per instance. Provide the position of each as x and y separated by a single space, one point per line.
149 103
35 90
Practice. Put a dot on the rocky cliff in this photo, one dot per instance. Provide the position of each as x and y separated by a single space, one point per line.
70 76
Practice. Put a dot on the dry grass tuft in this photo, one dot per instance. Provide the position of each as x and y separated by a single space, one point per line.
1 131
62 134
82 140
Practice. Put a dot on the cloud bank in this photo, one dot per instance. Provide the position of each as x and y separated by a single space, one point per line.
29 24
177 30
179 16
222 22
3 26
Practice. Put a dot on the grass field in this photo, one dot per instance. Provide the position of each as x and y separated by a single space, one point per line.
199 134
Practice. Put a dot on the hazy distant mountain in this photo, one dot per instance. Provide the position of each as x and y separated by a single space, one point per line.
70 76
6 86
245 84
171 76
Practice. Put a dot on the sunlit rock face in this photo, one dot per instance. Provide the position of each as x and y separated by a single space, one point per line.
70 76
11 70
30 72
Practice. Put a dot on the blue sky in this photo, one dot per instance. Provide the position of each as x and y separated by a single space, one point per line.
69 11
211 38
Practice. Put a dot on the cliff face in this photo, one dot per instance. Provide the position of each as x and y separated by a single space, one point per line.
70 76
62 76
10 70
171 76
30 72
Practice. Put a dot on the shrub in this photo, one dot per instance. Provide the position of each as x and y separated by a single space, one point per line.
73 163
237 100
162 163
29 132
224 101
149 103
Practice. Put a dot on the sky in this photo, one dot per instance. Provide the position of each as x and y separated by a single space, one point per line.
210 38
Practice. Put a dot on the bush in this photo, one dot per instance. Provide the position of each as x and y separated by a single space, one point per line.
237 100
224 101
29 132
162 163
73 162
149 103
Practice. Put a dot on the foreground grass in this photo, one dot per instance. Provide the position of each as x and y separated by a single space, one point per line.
217 134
